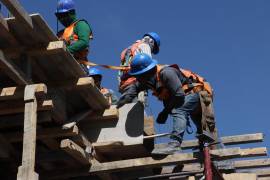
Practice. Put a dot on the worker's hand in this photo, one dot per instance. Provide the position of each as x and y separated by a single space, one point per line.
123 100
162 117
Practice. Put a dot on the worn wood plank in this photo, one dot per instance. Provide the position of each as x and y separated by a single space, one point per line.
45 133
259 172
14 107
12 71
227 140
92 95
16 120
19 12
6 37
109 114
255 163
240 176
173 159
76 151
3 23
14 93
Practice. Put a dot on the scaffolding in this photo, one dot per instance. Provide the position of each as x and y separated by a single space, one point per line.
55 124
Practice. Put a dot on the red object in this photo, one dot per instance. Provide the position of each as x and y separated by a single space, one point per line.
207 163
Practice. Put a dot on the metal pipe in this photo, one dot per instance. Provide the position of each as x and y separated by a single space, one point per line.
156 136
207 162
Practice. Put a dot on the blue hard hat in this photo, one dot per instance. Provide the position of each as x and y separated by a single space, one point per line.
156 38
94 72
64 6
141 63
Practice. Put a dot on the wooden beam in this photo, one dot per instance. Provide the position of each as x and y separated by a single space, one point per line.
76 151
14 107
16 120
255 163
238 165
259 172
18 11
45 133
6 37
227 140
3 23
15 93
27 170
150 162
109 114
13 71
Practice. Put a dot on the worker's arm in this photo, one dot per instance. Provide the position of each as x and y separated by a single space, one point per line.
83 30
171 79
130 93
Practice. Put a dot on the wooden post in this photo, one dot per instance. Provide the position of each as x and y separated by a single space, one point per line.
27 170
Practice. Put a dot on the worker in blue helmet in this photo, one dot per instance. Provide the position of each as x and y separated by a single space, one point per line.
77 32
149 44
177 88
108 93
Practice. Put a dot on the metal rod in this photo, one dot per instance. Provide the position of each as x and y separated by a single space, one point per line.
207 163
157 135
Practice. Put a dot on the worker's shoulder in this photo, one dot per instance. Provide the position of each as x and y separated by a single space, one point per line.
168 71
82 23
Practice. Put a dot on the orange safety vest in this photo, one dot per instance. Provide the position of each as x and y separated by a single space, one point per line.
126 59
198 83
69 36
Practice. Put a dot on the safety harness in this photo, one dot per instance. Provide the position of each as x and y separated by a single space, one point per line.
126 59
193 84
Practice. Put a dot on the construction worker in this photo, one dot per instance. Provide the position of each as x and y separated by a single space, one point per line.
108 93
149 44
177 88
77 33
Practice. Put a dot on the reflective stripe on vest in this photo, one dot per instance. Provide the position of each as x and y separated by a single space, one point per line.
199 85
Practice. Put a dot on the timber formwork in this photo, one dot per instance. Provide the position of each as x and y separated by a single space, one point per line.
55 124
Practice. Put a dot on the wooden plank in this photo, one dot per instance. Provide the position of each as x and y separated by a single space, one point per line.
12 71
240 176
11 121
150 162
239 165
66 173
3 23
227 140
45 133
14 107
15 93
18 11
76 151
92 95
259 172
109 114
6 37
255 163
107 146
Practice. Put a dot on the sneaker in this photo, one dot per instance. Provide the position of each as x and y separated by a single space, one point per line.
172 148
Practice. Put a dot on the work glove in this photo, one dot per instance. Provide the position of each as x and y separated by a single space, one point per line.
162 117
123 100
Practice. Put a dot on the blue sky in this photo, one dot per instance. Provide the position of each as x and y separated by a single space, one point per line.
227 42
